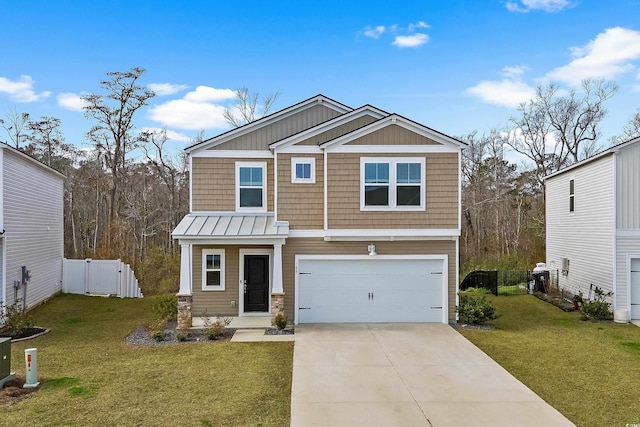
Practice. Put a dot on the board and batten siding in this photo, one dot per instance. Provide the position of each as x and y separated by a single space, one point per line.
338 131
586 236
313 246
32 197
343 195
213 183
260 138
628 187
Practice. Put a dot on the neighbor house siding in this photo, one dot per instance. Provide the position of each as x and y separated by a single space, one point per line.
300 204
393 135
260 138
309 246
33 226
213 183
442 174
586 236
627 244
628 187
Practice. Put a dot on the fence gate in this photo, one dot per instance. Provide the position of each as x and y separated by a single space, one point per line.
101 277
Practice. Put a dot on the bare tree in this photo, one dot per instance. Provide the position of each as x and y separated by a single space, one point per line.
246 110
46 137
112 134
15 124
630 130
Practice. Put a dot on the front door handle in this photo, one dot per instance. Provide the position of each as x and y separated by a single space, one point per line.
245 286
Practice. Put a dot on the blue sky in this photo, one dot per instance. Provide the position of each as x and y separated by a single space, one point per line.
455 66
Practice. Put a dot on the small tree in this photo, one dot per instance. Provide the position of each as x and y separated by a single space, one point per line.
246 110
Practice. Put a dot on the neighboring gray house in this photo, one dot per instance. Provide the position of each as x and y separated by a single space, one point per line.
593 225
31 227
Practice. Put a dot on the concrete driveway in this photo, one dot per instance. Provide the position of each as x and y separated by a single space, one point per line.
405 375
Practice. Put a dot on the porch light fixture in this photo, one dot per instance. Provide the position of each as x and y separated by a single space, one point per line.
372 250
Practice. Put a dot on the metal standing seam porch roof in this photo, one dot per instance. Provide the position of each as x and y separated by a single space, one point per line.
203 226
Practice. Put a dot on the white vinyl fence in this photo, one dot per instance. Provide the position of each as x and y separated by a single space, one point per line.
100 277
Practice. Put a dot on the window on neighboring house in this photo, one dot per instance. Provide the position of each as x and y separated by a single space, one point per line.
251 193
572 201
213 269
397 184
303 170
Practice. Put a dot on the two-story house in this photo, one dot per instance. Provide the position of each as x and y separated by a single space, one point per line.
593 226
325 212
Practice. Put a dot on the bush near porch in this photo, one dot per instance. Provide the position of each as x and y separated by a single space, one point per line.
586 370
89 376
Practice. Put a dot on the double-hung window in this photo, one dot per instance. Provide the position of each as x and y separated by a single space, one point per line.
392 183
251 191
213 269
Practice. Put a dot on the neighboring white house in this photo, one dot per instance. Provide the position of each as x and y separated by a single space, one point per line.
593 225
31 228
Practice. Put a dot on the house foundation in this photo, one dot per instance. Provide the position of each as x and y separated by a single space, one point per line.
277 305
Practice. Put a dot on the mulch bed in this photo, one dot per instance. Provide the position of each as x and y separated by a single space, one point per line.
142 336
485 327
25 333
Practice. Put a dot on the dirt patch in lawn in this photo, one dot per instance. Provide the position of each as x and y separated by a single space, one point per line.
12 392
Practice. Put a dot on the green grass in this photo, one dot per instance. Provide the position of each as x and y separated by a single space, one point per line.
89 376
589 371
512 290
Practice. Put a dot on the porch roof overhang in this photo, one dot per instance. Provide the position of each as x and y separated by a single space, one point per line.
231 227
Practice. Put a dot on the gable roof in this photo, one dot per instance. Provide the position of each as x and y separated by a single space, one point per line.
33 160
329 124
395 119
609 151
269 119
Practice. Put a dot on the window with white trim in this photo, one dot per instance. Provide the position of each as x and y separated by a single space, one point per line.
572 200
303 170
251 189
392 183
213 269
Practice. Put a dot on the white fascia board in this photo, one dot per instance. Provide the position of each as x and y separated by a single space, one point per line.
330 124
391 149
262 240
394 119
319 234
392 234
234 154
250 127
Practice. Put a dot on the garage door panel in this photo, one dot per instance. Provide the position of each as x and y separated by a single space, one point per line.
370 290
635 288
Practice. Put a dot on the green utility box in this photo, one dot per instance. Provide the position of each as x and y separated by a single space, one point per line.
5 357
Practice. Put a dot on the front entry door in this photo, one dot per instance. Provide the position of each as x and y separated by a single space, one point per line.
256 283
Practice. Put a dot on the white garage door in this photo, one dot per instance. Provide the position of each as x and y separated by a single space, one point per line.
371 290
635 288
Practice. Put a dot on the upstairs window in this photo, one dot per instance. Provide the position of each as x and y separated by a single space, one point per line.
572 201
392 184
303 170
251 192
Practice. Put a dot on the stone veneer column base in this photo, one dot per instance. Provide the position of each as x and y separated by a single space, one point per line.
185 314
277 305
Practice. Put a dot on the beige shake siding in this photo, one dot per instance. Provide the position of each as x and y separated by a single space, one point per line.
300 204
441 195
213 183
310 246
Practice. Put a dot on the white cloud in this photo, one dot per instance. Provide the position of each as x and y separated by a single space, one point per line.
374 32
610 54
507 93
22 89
209 94
413 40
171 135
524 6
71 101
514 72
420 24
161 89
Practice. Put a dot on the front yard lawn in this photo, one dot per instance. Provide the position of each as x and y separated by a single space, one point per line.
89 376
588 371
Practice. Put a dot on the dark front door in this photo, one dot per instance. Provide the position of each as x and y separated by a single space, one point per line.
256 283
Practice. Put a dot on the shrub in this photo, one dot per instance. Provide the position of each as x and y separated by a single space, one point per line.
183 335
214 329
599 308
14 318
165 307
476 310
280 321
158 336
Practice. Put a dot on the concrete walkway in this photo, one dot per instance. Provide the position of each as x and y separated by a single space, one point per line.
405 375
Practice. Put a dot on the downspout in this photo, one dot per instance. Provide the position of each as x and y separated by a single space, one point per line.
190 169
615 238
275 185
326 218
